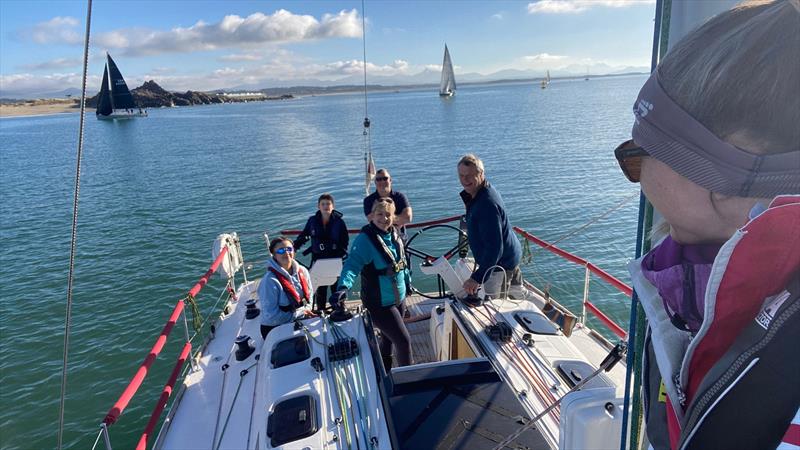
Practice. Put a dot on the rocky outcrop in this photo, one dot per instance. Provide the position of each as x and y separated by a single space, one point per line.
151 95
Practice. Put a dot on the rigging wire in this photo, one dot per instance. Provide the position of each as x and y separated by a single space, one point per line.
591 221
73 239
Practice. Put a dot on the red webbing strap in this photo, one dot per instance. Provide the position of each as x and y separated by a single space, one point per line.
204 279
136 381
411 225
288 287
165 394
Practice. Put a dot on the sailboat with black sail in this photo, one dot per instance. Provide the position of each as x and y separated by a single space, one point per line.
447 88
115 100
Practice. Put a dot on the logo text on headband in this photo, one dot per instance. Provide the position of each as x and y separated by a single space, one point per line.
641 108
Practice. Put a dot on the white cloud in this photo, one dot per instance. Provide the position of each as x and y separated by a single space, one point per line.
58 30
542 57
240 57
577 6
355 66
234 32
497 16
59 63
30 83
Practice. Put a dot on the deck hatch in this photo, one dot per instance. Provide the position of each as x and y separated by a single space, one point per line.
290 351
536 323
292 419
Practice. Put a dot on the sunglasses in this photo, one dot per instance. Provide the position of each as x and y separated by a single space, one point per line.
381 178
284 250
629 156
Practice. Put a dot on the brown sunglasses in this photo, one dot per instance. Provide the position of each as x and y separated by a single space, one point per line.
629 156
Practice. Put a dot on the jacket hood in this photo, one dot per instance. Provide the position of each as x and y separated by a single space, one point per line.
274 264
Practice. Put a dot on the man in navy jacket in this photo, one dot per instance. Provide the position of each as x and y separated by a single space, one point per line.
491 238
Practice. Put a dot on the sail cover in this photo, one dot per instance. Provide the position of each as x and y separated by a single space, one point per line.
448 84
119 90
104 106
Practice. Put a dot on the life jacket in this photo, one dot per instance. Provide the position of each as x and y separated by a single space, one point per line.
394 266
288 287
326 244
742 365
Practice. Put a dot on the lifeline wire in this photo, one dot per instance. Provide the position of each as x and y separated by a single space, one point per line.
74 227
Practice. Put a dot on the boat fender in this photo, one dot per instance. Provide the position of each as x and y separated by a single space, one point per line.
245 347
233 262
252 311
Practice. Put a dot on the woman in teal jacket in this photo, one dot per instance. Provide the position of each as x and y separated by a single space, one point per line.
377 254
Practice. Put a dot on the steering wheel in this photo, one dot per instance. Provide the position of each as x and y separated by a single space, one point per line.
412 251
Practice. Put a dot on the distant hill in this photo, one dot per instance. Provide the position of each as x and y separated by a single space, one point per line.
151 95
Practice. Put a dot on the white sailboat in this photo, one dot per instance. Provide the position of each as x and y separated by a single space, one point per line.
447 87
546 80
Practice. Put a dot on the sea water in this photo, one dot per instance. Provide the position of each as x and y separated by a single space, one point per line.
156 191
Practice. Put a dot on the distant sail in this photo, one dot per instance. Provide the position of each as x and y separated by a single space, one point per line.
447 87
104 106
546 80
119 89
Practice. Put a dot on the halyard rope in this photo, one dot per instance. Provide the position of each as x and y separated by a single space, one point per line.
73 240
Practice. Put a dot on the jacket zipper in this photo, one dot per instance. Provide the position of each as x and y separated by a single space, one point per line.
694 419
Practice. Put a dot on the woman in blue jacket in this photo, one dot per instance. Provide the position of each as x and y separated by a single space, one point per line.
285 291
378 255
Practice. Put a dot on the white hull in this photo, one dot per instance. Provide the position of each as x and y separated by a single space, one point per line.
122 114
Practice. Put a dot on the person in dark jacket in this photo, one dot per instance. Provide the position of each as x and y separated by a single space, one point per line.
328 234
383 189
491 238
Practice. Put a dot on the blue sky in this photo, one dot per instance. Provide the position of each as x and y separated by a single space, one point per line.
204 45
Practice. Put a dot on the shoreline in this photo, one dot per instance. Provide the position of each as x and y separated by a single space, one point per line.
9 111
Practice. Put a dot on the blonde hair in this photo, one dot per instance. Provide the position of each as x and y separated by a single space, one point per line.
384 204
471 160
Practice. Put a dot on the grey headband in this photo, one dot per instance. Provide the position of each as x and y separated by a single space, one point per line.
670 135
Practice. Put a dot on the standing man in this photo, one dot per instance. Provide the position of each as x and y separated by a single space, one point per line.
383 189
491 238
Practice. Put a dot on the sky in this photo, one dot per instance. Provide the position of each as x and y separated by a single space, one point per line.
207 45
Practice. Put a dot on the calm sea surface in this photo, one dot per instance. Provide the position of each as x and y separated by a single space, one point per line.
155 193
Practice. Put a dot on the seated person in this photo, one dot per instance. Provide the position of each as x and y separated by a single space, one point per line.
377 254
329 239
285 290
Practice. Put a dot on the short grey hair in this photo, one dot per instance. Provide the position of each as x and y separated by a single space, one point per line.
471 160
738 75
383 171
